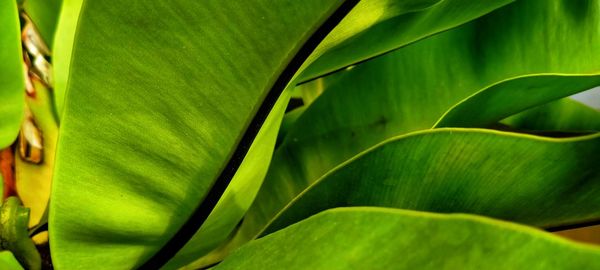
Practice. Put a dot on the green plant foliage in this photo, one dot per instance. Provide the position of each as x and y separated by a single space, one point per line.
14 235
380 238
240 193
45 14
63 49
411 88
11 73
433 171
375 27
561 115
8 261
157 129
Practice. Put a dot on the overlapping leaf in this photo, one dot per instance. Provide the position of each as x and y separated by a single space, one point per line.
11 74
380 238
44 13
153 110
375 27
411 88
561 115
239 194
533 180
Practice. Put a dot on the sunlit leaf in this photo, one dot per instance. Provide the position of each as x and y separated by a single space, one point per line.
146 130
380 238
12 84
527 179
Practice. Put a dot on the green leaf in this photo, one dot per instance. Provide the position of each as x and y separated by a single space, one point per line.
411 88
239 194
8 261
375 27
12 83
44 14
527 179
561 115
149 122
380 238
14 235
63 49
512 96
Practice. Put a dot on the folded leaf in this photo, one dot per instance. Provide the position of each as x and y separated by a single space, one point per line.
12 84
159 95
380 238
527 179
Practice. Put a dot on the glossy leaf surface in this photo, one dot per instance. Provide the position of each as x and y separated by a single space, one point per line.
165 107
380 238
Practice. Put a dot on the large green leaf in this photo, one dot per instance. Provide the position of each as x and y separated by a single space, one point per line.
239 194
44 14
12 83
528 179
380 238
159 95
561 115
375 27
411 88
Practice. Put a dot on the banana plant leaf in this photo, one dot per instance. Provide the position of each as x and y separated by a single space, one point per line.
561 115
381 238
12 84
398 93
538 181
63 48
239 195
163 119
509 97
376 27
44 13
8 261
